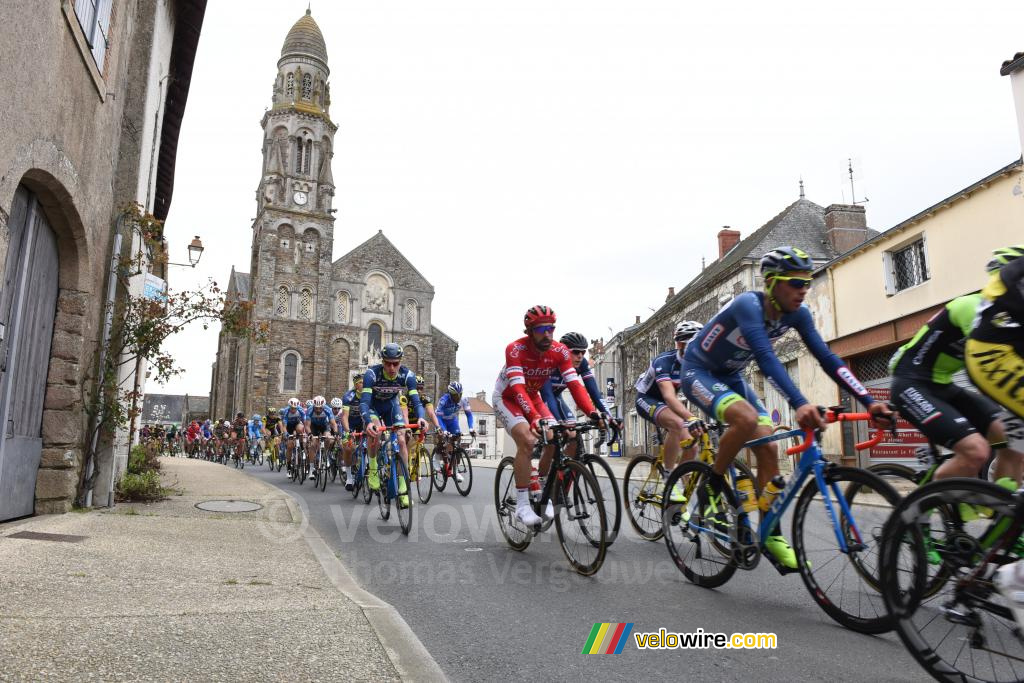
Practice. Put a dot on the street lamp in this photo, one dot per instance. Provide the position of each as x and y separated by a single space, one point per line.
195 252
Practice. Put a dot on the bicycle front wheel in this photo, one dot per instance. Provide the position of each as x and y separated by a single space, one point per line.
423 475
965 631
609 485
440 474
516 534
844 584
699 533
641 487
403 503
581 522
462 469
384 482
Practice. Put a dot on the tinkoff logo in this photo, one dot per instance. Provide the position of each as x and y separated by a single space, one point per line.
607 639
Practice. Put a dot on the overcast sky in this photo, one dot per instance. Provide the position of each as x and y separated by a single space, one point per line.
585 154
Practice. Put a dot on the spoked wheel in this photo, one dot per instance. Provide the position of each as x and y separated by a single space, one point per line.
698 531
609 486
403 502
462 468
965 631
440 474
334 467
641 487
844 584
383 483
424 477
515 532
581 522
322 475
364 464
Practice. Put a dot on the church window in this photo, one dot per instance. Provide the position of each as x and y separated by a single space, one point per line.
300 147
290 87
373 337
342 307
308 157
291 372
306 305
409 317
307 86
283 301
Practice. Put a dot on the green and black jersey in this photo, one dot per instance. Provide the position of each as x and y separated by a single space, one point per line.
937 350
1001 318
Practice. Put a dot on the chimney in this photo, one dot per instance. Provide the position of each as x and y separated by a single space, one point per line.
671 293
845 226
637 320
727 239
1014 68
481 396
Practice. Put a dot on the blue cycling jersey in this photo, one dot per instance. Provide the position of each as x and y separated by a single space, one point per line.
551 392
350 401
290 418
380 389
740 333
664 368
448 409
255 428
322 418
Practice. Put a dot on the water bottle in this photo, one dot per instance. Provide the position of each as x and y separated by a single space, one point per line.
771 492
535 490
745 488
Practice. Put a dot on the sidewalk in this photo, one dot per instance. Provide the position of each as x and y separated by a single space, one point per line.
167 591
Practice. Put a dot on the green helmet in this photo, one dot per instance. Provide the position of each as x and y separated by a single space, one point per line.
1003 256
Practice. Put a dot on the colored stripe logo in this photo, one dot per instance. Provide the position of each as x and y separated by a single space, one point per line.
607 639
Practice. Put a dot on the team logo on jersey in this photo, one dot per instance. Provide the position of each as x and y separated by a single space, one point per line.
701 392
712 336
718 386
737 339
851 381
516 350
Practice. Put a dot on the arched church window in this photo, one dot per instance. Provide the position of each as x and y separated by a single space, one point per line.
300 148
306 305
290 87
309 157
291 372
409 317
373 338
342 307
283 301
307 86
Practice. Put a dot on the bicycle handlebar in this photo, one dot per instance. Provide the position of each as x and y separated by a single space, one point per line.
832 415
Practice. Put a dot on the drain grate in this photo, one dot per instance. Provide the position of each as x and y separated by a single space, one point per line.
41 536
229 506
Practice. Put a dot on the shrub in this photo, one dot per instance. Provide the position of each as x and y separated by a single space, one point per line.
141 460
141 487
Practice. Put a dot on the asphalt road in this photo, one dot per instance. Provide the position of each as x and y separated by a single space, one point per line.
487 612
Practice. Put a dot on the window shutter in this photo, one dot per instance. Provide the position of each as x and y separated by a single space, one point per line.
99 34
889 271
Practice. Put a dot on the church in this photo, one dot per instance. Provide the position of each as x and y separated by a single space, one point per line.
327 320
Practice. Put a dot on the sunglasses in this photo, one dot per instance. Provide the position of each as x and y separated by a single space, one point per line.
577 352
392 363
544 329
794 282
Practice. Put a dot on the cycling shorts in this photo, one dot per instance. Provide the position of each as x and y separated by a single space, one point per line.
715 393
355 425
318 429
511 413
648 408
998 371
945 413
389 412
290 427
450 426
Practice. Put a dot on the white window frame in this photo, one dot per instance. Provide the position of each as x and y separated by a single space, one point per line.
889 264
634 427
482 431
94 19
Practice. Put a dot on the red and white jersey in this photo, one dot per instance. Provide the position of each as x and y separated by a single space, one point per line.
526 370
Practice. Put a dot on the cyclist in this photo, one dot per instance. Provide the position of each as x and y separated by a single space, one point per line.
206 435
272 425
255 433
552 391
221 434
320 425
529 361
293 418
743 331
447 418
351 421
239 426
192 435
924 394
379 404
657 399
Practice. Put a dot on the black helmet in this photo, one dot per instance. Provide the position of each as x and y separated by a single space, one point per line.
575 341
785 260
391 351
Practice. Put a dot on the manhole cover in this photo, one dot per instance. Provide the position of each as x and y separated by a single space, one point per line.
229 506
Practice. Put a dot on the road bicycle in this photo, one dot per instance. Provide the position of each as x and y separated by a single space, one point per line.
360 468
579 518
393 478
455 465
836 540
964 630
420 470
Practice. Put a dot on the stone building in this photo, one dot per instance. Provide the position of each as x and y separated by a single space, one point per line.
326 319
94 93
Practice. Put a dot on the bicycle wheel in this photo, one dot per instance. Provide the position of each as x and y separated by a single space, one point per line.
844 584
404 507
384 483
581 522
699 543
323 470
516 534
641 488
423 475
965 631
441 473
462 467
605 478
301 465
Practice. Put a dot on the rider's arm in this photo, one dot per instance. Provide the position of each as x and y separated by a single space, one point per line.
573 382
829 361
469 413
366 398
590 382
668 394
414 395
548 394
517 383
432 414
344 419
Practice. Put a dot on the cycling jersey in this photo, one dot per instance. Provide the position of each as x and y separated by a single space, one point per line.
995 350
552 392
207 431
272 421
937 350
526 370
238 425
324 417
664 368
447 411
255 429
379 390
350 406
740 333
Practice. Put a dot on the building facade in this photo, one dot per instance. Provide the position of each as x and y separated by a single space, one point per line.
326 319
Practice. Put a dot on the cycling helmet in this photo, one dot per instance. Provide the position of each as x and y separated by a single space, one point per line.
687 330
309 403
455 388
226 424
293 403
357 377
420 382
539 315
575 341
336 403
1004 256
319 401
391 351
256 417
785 260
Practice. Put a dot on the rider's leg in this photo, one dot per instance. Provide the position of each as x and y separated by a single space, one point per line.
675 427
969 455
1009 462
742 419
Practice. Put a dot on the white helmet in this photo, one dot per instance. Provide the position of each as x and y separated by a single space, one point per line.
309 403
336 402
226 423
319 402
293 403
687 330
